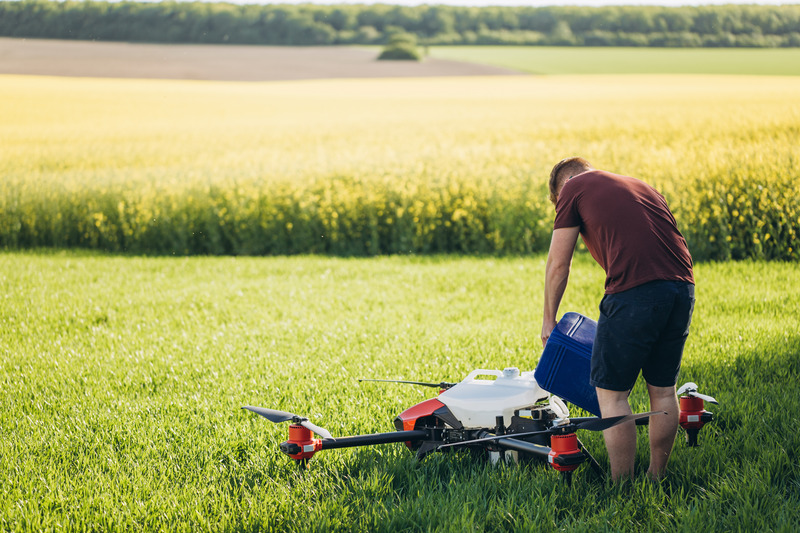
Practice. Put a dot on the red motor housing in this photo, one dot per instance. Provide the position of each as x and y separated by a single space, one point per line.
301 445
565 456
693 417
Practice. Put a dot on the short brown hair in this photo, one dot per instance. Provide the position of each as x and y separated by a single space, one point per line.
564 169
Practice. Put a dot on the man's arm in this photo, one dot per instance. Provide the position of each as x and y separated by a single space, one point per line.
559 260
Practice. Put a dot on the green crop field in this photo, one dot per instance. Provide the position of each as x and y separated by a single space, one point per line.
123 380
602 60
365 167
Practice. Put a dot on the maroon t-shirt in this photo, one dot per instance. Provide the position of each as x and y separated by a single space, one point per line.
627 227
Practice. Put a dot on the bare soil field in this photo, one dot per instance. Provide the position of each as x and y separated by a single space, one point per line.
216 62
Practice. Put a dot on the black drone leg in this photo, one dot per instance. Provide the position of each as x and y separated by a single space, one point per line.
592 461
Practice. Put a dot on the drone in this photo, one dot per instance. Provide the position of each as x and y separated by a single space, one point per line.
506 415
503 414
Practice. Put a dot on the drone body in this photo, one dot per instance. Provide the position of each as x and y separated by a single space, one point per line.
506 413
511 417
507 403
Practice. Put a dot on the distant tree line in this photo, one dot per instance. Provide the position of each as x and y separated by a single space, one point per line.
275 24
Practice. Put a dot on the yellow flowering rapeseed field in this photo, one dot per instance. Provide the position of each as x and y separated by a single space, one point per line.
360 167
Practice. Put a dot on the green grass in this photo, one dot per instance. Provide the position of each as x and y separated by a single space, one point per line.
123 380
601 60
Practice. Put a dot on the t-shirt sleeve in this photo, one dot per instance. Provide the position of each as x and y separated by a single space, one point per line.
567 215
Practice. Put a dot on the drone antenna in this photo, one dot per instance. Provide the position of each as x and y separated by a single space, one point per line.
443 385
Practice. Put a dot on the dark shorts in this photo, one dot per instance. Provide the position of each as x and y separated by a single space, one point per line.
642 329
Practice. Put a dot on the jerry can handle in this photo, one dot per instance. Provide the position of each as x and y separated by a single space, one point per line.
481 372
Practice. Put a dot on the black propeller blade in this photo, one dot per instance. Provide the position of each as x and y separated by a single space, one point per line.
443 385
273 415
600 424
592 424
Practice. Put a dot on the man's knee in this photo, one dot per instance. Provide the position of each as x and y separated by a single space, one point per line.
613 403
661 393
664 399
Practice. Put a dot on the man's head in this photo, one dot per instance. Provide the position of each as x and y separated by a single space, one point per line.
564 170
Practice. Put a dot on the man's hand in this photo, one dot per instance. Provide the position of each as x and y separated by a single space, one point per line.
547 328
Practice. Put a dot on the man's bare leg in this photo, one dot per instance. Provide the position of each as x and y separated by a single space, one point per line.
620 440
663 428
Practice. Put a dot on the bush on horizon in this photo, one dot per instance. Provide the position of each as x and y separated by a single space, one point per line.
400 46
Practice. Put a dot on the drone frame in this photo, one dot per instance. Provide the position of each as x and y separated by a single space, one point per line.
430 426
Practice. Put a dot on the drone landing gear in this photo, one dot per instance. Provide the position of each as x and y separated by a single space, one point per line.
428 446
592 461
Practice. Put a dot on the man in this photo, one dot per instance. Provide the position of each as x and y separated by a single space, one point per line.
648 303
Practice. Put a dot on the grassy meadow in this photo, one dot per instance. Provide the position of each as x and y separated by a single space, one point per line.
123 380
